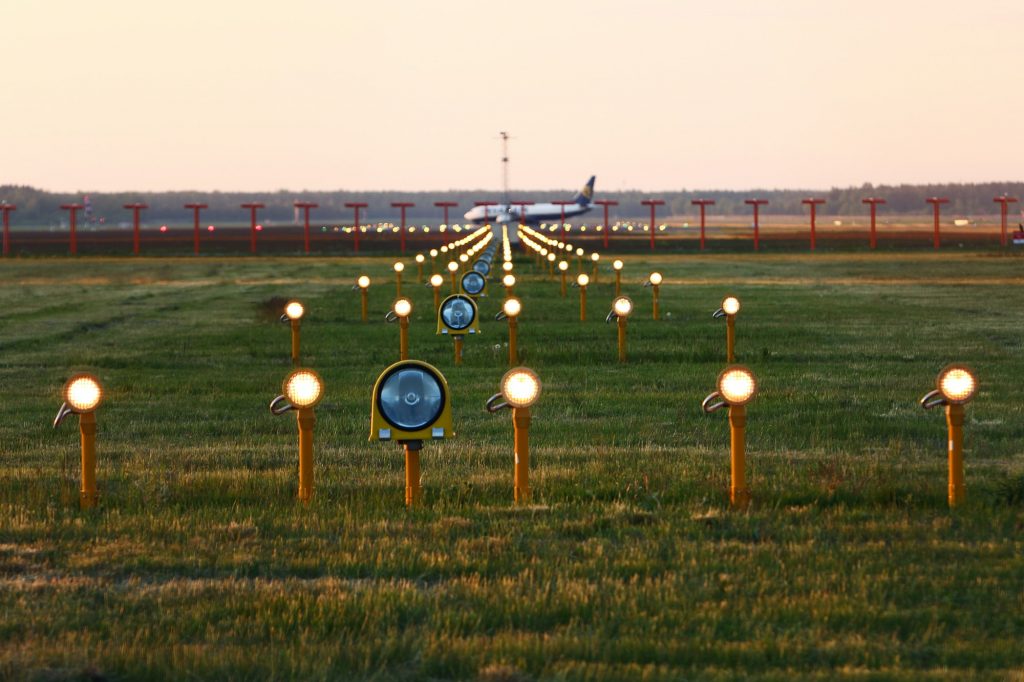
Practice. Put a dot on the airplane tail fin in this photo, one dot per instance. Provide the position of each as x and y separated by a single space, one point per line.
586 194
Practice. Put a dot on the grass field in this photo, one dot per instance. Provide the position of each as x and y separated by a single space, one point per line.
628 564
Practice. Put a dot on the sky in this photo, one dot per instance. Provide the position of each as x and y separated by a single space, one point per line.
123 95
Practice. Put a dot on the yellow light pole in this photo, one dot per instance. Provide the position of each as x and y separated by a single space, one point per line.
302 390
400 311
579 260
736 387
617 267
463 261
433 261
399 267
82 394
563 267
654 281
363 284
436 281
520 389
419 267
594 258
956 386
622 308
730 306
582 280
411 403
551 264
510 310
293 313
509 281
453 269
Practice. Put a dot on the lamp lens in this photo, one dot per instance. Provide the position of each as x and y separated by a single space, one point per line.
399 266
583 280
294 310
83 393
458 312
509 280
403 307
563 266
419 258
507 266
473 283
737 385
957 384
595 257
655 278
617 264
433 253
551 257
463 258
436 280
520 387
579 252
511 307
482 267
363 281
731 305
622 306
452 266
303 388
411 398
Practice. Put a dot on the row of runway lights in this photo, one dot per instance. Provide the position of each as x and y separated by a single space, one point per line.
411 402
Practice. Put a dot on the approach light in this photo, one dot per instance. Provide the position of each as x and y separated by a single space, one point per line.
507 266
411 403
474 284
419 267
293 313
511 307
736 387
622 308
458 316
654 281
302 391
363 283
520 389
433 253
582 280
563 265
436 281
617 266
510 310
453 269
400 311
399 266
82 394
420 258
509 281
463 258
956 385
730 306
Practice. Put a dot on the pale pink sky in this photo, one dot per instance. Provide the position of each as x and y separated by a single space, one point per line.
411 95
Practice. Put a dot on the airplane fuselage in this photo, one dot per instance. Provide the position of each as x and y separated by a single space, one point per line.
531 214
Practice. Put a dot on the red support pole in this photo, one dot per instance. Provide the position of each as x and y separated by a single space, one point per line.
402 205
305 206
606 203
1003 209
757 204
73 210
196 208
653 203
446 205
7 208
936 203
485 204
813 203
563 204
135 208
356 205
873 202
253 207
703 203
522 209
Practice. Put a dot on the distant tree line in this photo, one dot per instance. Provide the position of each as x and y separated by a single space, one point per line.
38 207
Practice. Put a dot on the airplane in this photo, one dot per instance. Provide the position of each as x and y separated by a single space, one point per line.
533 214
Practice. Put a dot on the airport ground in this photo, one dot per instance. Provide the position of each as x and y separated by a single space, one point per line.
627 564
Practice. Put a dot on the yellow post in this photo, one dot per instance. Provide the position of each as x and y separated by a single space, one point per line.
739 495
403 338
458 350
563 283
419 271
295 342
365 302
398 283
521 440
583 304
307 419
594 275
655 288
510 292
622 339
455 282
412 473
618 282
437 299
955 420
730 338
513 354
88 497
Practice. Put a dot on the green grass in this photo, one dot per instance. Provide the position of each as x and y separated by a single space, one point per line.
628 564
